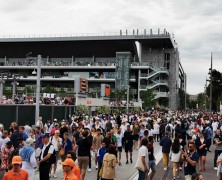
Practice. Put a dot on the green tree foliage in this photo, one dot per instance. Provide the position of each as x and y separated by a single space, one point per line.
103 109
28 90
148 98
48 89
216 89
82 109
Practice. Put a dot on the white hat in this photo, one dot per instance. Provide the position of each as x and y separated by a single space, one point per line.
55 120
29 141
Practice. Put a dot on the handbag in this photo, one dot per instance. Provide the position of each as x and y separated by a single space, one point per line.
139 164
62 152
101 171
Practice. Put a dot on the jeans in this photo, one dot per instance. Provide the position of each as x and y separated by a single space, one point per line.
142 175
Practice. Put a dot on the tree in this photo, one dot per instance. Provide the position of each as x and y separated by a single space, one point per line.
148 98
82 109
103 109
49 89
216 81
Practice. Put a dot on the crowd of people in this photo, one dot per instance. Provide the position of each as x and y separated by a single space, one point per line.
185 139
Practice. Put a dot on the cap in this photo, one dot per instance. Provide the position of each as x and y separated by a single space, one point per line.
68 162
29 141
55 120
45 136
16 160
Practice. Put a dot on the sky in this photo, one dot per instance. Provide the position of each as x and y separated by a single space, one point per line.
196 25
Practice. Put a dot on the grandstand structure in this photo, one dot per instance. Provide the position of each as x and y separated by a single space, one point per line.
139 60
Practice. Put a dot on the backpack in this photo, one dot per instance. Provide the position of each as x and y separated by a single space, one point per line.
168 128
52 158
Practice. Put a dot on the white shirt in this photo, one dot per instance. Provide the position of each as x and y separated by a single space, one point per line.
54 142
214 126
48 128
51 149
119 139
27 129
4 141
143 151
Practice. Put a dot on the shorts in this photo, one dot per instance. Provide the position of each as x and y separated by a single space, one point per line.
128 148
152 165
83 162
120 149
136 137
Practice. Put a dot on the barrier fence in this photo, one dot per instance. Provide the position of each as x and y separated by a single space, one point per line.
20 113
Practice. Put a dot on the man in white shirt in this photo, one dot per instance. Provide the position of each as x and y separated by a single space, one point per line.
214 126
48 127
28 157
39 123
143 154
27 128
44 164
1 129
57 143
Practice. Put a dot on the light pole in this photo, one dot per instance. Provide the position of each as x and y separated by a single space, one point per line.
211 81
1 87
38 88
127 99
205 88
15 77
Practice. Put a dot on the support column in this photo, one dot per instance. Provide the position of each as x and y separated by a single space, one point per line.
38 88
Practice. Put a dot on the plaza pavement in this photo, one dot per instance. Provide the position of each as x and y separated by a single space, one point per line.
128 172
123 172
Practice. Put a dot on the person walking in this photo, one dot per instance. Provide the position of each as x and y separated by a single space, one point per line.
119 137
66 145
28 157
75 169
101 152
57 143
175 157
7 150
84 146
97 141
16 172
128 139
44 163
190 160
166 143
201 145
67 167
218 147
109 164
152 163
143 157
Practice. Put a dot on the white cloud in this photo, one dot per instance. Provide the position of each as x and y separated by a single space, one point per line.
195 23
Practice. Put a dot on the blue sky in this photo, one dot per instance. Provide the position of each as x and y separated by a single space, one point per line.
196 24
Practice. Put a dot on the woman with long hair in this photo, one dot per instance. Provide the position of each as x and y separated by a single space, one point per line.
136 134
201 145
175 156
109 164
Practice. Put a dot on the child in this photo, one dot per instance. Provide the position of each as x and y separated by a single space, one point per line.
101 152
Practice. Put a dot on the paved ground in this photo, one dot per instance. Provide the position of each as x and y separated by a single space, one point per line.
124 172
209 174
127 171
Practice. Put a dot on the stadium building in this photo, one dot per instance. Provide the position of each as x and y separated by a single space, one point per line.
138 60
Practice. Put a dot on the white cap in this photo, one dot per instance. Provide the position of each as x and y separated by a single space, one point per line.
55 120
29 141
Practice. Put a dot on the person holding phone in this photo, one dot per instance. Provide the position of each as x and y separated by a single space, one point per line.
190 160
